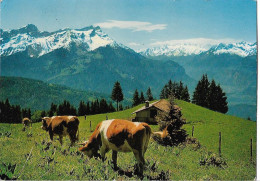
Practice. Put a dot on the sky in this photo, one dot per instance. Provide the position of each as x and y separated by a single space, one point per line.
140 24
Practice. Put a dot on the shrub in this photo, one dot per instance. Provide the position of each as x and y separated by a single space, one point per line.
171 122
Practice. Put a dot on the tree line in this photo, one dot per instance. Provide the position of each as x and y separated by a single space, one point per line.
12 113
206 94
209 95
178 90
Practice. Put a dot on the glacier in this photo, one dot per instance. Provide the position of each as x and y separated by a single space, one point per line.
91 37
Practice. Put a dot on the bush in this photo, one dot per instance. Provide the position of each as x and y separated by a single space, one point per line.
212 159
171 122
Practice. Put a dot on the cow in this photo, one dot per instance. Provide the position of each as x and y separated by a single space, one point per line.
119 136
26 122
62 126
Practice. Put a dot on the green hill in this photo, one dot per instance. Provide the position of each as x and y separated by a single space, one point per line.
175 163
38 95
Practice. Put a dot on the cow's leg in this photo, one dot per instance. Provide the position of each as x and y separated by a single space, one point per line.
51 135
73 137
103 151
60 139
114 159
140 160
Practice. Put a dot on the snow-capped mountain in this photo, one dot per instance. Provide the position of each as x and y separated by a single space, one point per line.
242 49
41 43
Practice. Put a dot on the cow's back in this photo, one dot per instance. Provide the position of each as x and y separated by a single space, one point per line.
64 124
123 135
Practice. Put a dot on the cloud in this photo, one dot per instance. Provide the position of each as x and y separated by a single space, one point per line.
132 25
202 42
134 44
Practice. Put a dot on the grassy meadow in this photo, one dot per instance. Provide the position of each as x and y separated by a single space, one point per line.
36 158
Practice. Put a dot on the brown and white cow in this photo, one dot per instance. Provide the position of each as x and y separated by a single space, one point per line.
61 126
119 136
26 122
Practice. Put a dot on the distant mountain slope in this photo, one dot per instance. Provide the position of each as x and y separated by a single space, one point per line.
77 65
244 111
39 95
199 46
237 75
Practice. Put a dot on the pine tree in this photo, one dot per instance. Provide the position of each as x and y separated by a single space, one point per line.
170 89
185 94
212 101
88 111
82 110
179 91
222 100
111 107
136 99
53 110
162 95
117 93
149 94
200 95
142 99
121 107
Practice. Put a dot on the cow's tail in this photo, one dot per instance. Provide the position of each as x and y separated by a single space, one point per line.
148 133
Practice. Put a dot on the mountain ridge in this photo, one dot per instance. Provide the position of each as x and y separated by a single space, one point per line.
41 43
242 49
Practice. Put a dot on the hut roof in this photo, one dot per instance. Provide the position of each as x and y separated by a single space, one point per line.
162 104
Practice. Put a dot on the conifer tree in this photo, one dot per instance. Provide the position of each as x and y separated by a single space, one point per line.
142 99
82 110
121 107
212 101
149 94
222 100
162 95
185 94
179 91
117 93
53 110
200 95
136 99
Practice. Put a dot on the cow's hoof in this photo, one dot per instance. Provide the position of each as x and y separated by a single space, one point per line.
115 168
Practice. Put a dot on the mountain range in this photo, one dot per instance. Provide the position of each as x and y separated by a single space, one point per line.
88 59
85 59
187 48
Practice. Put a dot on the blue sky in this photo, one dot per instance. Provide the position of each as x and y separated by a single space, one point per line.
139 23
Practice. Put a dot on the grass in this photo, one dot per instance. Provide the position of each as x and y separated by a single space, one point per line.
53 161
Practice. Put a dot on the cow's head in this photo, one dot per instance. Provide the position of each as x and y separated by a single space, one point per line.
44 123
88 149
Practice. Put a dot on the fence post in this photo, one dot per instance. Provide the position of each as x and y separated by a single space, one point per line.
192 130
251 149
85 117
90 125
219 148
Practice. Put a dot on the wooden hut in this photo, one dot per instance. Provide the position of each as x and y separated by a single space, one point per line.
148 112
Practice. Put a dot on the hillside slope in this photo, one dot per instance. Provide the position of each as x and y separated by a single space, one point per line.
174 163
38 95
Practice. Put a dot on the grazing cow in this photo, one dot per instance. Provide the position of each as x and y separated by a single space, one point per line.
26 122
119 136
61 126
